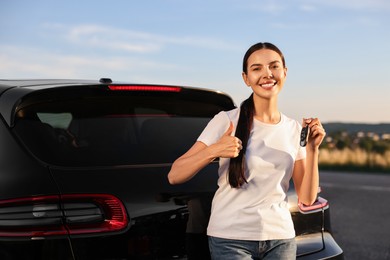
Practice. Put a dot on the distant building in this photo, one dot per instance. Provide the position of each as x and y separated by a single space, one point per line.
385 136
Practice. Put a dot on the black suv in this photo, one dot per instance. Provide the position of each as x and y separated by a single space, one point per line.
83 173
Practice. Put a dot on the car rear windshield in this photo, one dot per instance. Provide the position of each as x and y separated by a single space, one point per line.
104 128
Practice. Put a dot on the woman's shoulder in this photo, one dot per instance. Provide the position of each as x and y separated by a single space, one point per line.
291 122
231 115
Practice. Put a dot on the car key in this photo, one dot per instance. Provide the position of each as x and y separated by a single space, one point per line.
304 134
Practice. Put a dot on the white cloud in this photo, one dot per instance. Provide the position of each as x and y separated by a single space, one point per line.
21 62
273 7
110 38
281 7
375 5
308 7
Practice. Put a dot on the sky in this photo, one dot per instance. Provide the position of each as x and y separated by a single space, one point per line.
337 51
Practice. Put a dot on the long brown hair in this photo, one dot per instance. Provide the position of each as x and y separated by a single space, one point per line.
245 121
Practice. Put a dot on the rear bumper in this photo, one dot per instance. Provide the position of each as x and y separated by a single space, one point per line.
315 246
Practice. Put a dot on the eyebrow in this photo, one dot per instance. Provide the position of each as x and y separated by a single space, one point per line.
259 64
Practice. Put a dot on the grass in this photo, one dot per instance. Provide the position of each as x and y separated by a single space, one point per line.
354 160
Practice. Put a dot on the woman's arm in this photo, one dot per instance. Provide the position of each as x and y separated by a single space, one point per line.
306 174
200 155
306 179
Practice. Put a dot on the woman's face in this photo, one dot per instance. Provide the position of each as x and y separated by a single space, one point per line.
265 73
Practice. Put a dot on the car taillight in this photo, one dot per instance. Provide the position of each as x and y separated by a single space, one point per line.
31 217
92 213
72 214
145 88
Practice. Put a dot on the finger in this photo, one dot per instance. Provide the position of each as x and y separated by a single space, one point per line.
318 134
311 122
320 131
229 131
316 121
316 125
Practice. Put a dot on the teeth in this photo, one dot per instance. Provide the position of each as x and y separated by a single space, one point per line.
267 85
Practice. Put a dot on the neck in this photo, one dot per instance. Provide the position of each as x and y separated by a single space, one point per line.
266 110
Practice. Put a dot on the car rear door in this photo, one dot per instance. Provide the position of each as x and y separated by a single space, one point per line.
109 152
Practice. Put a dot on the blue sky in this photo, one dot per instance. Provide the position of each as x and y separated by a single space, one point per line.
337 51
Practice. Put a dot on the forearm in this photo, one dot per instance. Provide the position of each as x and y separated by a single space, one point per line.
200 155
310 180
187 166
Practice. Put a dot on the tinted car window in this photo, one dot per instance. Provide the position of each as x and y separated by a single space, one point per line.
127 128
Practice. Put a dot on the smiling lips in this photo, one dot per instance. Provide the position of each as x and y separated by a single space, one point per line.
268 85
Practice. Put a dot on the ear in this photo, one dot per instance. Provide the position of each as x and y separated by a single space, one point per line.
285 71
245 78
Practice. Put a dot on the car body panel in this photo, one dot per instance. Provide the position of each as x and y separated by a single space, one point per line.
26 177
318 246
128 183
18 178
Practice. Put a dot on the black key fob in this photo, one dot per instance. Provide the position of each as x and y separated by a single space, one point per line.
304 133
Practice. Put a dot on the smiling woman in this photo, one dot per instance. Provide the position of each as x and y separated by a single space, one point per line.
259 153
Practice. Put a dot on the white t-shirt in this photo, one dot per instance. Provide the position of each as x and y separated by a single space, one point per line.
258 210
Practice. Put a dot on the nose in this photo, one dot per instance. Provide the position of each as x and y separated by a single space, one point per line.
268 72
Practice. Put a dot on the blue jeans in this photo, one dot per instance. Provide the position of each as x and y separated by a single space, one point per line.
230 249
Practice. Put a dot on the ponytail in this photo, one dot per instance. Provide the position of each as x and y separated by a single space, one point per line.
237 165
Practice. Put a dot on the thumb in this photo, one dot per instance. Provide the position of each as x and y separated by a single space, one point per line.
229 131
306 121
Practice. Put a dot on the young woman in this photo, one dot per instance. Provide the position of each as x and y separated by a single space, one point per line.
259 150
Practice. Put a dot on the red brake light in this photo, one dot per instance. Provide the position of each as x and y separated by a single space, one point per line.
61 215
31 217
145 88
113 215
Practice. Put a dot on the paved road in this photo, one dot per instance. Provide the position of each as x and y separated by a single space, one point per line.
360 213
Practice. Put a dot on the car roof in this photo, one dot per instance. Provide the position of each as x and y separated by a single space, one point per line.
36 82
29 85
13 90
